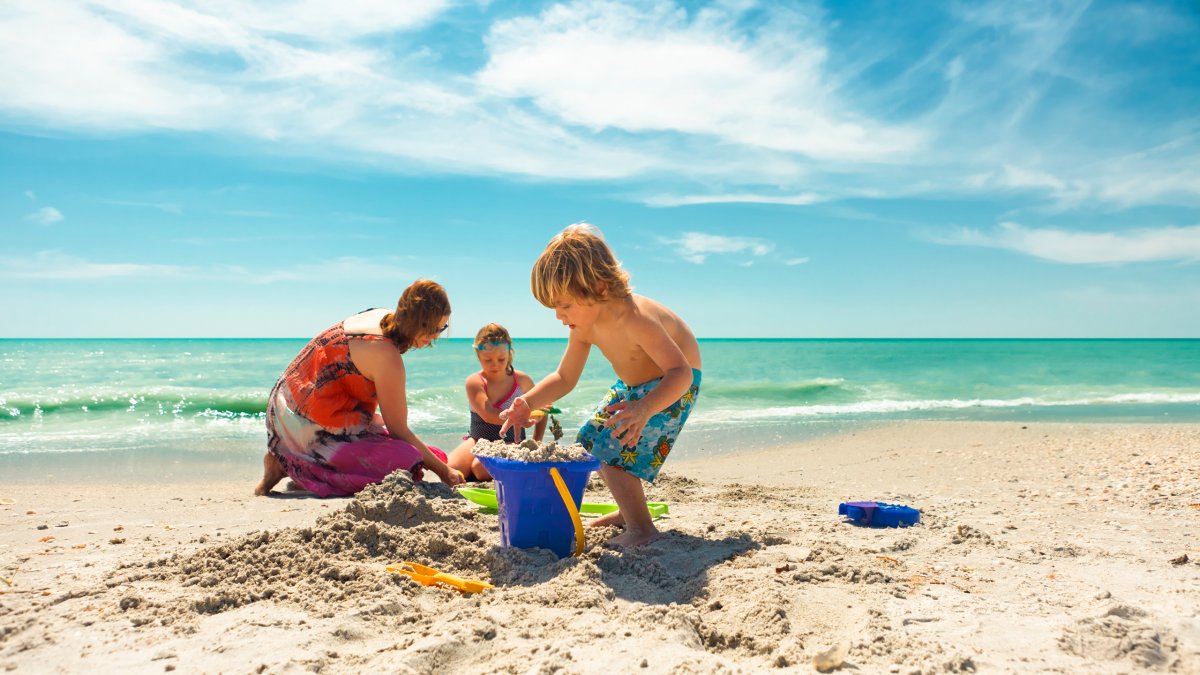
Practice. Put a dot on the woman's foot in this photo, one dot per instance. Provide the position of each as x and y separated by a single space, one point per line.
272 473
633 538
614 519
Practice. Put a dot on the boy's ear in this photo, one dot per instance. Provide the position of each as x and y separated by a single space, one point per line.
602 291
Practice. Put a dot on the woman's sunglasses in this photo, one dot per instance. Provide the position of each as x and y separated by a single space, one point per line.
443 328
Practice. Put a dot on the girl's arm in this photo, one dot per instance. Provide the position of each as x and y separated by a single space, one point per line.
477 397
384 365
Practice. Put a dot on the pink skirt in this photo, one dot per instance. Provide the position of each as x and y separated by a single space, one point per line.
353 466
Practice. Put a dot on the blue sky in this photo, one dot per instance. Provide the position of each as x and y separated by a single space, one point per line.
219 168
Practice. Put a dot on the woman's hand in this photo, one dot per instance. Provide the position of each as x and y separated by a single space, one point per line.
450 476
627 420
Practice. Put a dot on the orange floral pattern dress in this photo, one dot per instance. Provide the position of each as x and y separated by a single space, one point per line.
322 423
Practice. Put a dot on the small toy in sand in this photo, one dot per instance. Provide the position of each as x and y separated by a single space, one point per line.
555 427
879 514
486 498
427 576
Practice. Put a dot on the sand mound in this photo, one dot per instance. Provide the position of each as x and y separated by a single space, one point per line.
339 560
532 451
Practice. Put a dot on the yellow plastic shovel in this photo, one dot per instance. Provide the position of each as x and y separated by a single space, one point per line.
427 576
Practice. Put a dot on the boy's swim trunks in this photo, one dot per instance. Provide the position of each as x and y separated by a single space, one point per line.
646 458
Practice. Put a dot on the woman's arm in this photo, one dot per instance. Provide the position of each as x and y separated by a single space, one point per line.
383 364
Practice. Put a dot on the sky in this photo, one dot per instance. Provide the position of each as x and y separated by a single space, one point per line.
766 169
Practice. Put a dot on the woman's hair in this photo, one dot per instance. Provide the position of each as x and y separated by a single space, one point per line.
577 263
495 334
419 312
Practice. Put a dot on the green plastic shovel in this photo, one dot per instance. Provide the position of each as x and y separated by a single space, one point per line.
486 498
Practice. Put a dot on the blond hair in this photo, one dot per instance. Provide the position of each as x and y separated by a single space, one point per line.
577 263
418 312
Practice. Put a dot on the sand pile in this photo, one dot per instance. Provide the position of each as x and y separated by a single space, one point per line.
532 451
341 559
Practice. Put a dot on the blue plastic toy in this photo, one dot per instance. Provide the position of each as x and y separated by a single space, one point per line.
878 514
532 513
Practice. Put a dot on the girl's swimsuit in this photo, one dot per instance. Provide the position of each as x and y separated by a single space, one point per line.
658 436
322 426
482 430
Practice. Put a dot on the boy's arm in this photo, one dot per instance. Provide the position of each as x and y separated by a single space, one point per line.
628 418
539 429
552 387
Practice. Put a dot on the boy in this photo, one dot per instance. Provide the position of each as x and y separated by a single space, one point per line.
653 352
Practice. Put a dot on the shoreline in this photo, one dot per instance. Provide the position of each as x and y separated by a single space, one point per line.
1043 546
141 465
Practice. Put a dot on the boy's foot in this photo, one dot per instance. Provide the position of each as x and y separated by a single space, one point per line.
633 538
614 519
272 473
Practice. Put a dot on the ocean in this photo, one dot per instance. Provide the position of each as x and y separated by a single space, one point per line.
194 408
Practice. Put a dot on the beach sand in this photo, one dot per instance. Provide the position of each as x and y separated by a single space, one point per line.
1042 548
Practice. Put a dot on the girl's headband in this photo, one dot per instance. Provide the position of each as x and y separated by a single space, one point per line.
491 343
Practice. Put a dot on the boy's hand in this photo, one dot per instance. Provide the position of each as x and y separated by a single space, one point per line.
627 421
516 417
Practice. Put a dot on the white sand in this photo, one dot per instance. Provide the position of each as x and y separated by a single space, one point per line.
531 451
1041 548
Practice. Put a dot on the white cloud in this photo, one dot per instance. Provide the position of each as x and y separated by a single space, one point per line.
750 96
1127 181
1065 246
316 19
802 199
55 264
696 247
955 69
165 207
47 215
346 267
295 74
795 261
652 67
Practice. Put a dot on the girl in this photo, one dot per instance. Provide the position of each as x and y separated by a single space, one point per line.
489 391
322 426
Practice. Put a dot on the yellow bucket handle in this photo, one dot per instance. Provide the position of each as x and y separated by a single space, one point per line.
571 509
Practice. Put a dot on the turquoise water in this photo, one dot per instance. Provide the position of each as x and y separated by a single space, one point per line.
175 405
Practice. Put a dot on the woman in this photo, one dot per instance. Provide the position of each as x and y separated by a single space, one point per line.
322 426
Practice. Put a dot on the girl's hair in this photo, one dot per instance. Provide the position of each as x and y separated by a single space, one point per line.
577 263
419 312
495 334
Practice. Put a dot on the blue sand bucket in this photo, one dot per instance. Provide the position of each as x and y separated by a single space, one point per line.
532 513
878 514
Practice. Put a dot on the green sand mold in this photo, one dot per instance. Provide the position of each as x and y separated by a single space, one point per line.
486 498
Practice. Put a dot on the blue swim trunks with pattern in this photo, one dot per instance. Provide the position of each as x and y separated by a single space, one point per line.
658 436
